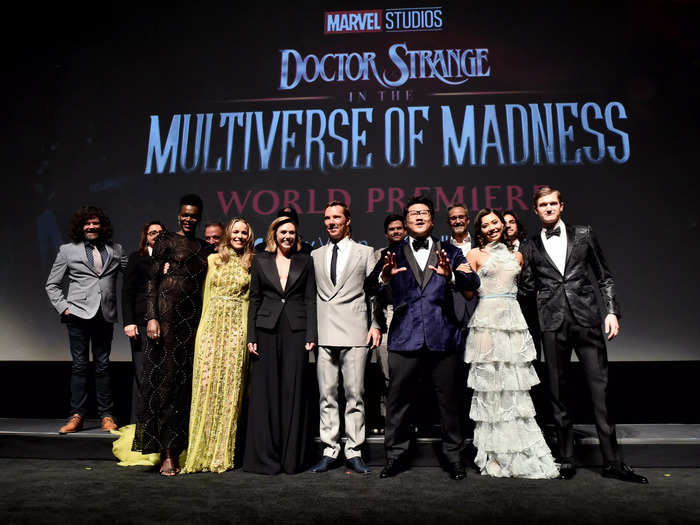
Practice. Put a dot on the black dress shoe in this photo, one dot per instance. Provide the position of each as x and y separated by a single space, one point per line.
623 473
324 465
358 465
457 471
567 471
391 469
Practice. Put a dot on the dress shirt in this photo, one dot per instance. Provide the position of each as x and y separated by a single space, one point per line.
421 255
465 245
516 245
344 245
101 248
150 250
556 246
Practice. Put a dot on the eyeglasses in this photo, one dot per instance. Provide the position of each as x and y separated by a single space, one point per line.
418 213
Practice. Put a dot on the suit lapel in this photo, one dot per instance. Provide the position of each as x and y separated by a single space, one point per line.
296 266
110 257
432 261
570 233
537 240
350 264
270 270
325 281
412 262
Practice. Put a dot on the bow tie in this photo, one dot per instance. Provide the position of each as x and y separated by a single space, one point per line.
420 243
554 231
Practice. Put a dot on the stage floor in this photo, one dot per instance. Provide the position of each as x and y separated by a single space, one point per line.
651 445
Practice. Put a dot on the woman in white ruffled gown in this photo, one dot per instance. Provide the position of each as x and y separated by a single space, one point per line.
499 347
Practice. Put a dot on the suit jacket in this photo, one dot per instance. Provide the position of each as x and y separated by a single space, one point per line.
574 289
268 300
87 290
343 310
138 272
423 304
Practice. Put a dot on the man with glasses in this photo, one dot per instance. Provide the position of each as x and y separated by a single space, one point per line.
424 338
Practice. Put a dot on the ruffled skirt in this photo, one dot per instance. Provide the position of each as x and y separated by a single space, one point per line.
509 442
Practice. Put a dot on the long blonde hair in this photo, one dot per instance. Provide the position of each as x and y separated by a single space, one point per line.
271 242
226 252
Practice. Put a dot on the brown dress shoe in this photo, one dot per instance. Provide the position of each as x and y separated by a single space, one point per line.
74 423
108 423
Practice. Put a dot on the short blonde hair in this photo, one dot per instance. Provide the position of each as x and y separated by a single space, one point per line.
270 238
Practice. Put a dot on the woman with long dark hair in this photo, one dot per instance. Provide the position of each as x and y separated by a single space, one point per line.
221 357
499 347
136 277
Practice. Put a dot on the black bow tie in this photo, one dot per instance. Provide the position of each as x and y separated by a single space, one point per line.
420 243
554 231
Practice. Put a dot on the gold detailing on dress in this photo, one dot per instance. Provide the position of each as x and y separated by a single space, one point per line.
220 368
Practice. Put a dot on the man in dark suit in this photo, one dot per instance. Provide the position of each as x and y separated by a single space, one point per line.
424 336
91 263
557 262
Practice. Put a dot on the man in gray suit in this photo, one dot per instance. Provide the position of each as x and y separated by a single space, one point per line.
345 330
90 263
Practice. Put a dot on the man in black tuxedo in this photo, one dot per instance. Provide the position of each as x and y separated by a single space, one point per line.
556 269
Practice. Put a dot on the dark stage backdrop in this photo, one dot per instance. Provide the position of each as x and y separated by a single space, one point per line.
256 108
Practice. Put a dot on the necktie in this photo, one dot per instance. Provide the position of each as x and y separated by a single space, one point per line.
554 231
419 244
97 259
334 263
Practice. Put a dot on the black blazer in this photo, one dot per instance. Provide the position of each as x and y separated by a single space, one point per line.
268 300
136 276
555 291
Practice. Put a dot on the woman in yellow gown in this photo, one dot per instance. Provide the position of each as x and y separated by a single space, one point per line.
221 358
220 362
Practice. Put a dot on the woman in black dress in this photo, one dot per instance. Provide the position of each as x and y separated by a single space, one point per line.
281 332
136 277
173 308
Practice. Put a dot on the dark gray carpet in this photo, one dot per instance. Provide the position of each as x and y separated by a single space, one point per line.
63 491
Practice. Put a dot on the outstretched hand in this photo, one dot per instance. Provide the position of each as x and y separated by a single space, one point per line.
443 264
390 269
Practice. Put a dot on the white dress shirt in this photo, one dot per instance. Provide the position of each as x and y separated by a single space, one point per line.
465 245
421 255
516 245
556 246
343 254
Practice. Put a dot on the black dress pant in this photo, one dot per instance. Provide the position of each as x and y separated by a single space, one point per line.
278 435
138 346
84 335
589 345
445 372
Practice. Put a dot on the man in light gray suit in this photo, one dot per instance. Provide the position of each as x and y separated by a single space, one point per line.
346 329
91 264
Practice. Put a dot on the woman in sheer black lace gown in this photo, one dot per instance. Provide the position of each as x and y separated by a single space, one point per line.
174 303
